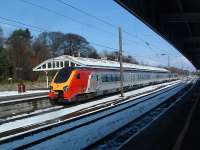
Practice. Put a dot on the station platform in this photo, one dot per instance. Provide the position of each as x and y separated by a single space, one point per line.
10 95
189 138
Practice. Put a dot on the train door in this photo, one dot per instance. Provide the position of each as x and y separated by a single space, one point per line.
94 82
79 82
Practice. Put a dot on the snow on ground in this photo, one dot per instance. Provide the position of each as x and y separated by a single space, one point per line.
82 137
35 112
15 93
65 111
88 134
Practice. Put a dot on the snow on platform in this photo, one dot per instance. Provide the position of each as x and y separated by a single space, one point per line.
78 135
15 93
56 114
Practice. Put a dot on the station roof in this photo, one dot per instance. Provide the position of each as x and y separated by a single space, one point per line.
65 60
178 21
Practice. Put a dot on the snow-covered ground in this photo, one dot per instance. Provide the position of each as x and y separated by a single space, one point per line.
15 93
54 108
85 135
89 134
65 111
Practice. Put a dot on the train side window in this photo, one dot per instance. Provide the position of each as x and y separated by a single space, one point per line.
78 76
103 78
115 77
112 77
106 78
109 79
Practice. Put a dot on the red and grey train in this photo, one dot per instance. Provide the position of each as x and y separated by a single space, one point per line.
73 83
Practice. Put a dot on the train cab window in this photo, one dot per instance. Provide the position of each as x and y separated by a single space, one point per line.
63 75
78 76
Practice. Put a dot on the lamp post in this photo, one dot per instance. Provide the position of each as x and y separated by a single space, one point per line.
121 64
168 59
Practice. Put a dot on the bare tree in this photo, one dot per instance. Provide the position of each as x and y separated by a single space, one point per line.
130 59
92 53
53 40
115 57
75 44
40 51
178 71
67 44
19 53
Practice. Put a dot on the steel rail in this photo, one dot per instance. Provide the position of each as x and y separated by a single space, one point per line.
17 137
159 115
13 118
129 131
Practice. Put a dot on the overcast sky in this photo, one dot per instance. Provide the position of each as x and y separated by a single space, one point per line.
138 40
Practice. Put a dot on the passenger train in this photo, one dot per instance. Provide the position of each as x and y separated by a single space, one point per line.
76 83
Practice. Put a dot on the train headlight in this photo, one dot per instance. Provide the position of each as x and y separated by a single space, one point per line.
65 88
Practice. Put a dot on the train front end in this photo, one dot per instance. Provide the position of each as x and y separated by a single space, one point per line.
60 85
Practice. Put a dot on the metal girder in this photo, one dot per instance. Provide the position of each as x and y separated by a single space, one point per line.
193 50
193 56
192 46
181 17
182 11
192 39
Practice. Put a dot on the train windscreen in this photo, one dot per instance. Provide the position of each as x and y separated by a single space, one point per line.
63 75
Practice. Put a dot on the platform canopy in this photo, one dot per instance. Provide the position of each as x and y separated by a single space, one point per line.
65 60
178 21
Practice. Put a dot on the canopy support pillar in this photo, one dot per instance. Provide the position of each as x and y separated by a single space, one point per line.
47 79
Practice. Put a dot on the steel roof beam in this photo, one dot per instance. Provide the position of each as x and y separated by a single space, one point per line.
181 17
182 11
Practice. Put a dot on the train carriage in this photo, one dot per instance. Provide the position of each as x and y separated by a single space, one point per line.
75 83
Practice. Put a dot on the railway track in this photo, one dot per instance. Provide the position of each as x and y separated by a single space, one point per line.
30 114
120 138
13 109
39 134
27 105
43 106
21 98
